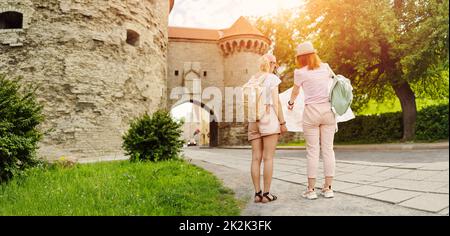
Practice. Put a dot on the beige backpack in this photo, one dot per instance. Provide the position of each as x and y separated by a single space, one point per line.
253 102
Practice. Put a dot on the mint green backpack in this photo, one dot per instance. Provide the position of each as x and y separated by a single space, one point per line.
341 93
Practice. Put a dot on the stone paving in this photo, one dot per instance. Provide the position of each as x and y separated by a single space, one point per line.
421 186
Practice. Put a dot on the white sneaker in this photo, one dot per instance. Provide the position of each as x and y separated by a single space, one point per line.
311 195
327 193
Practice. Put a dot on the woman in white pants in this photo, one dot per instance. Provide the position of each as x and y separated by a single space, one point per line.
319 122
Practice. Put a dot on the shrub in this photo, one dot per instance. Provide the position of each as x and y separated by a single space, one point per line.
153 138
431 125
20 114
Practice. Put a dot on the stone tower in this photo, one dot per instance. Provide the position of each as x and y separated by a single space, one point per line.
242 45
218 58
97 63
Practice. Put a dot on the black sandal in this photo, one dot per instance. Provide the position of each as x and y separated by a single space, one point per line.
258 194
266 195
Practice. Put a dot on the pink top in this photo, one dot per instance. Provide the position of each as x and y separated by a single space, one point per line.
315 83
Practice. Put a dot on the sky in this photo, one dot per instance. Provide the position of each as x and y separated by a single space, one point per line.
220 14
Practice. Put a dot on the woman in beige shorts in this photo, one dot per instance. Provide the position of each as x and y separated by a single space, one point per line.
263 134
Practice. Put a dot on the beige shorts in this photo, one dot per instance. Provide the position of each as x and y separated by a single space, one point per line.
253 132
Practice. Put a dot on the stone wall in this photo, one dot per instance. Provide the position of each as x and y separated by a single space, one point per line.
94 74
203 55
233 134
239 67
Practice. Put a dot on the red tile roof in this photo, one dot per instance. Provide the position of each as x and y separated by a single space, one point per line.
193 33
240 27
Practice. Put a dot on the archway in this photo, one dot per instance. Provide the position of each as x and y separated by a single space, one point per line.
200 123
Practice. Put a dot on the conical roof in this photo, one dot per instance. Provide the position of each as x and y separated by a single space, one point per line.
241 27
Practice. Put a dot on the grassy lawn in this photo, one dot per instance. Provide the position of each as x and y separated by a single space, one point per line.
302 143
118 188
391 142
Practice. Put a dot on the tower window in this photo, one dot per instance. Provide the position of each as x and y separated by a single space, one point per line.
133 38
177 73
11 20
205 73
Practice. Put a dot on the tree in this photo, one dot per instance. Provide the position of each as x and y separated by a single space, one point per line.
385 47
282 31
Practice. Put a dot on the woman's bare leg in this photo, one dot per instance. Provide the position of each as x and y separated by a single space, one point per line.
270 144
257 153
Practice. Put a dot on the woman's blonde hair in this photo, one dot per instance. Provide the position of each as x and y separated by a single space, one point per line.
264 64
312 61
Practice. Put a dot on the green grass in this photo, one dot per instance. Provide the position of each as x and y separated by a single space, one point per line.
391 142
172 188
293 144
393 105
301 143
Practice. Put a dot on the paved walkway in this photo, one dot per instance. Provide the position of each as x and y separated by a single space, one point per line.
411 182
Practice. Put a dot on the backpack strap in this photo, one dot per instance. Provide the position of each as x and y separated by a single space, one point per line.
333 77
331 71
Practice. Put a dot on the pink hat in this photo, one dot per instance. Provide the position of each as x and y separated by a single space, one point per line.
271 57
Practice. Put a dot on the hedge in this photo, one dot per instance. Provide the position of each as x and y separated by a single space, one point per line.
431 125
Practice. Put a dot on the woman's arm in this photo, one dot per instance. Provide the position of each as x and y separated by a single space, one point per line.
278 109
294 95
280 113
281 119
276 101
